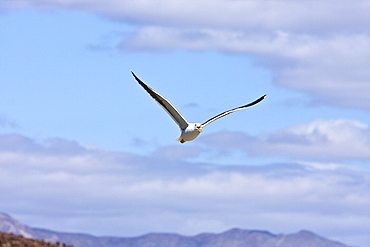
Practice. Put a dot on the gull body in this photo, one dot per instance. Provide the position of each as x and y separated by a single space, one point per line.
189 131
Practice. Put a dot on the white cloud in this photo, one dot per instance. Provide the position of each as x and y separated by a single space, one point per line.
92 190
324 16
333 68
321 47
333 139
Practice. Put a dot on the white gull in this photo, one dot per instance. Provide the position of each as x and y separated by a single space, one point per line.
189 131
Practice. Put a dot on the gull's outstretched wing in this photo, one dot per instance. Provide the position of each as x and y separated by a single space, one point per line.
176 116
232 110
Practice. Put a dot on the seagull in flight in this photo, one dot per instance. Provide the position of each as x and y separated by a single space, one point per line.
189 131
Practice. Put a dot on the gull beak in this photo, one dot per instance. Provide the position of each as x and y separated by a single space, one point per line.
199 128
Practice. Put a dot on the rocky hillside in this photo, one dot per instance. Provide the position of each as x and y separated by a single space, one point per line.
11 240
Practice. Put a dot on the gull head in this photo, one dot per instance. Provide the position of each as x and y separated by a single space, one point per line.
198 127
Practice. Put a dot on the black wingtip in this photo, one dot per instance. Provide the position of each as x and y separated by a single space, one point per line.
256 101
260 99
136 78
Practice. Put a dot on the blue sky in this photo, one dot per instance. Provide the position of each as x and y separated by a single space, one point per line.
75 125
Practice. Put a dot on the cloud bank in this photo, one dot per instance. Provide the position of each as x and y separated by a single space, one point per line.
318 47
322 139
69 186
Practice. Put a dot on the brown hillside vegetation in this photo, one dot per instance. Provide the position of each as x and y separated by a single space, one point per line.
10 240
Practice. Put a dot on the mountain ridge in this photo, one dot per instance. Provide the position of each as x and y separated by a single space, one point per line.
234 237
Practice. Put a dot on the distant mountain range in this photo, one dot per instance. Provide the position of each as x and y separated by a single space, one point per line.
230 238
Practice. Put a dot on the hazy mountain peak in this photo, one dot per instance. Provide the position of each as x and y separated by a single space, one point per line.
10 225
